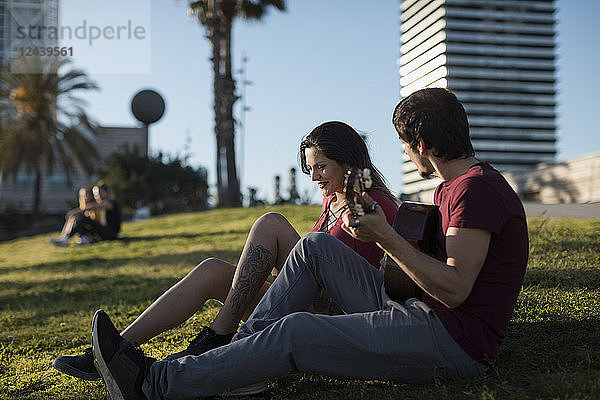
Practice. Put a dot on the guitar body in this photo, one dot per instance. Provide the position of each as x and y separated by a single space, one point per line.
416 222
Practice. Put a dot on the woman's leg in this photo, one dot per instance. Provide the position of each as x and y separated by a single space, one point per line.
211 279
268 245
84 226
269 242
68 226
271 236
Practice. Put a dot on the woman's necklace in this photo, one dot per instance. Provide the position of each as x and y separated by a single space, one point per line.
333 216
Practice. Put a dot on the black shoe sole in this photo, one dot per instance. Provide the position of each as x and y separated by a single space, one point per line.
74 372
111 385
248 390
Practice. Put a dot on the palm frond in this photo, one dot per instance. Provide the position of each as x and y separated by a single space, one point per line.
255 10
10 148
43 124
83 149
199 9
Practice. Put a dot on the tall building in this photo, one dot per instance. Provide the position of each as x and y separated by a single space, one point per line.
498 57
26 24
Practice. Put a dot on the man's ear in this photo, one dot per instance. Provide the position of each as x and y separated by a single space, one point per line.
422 147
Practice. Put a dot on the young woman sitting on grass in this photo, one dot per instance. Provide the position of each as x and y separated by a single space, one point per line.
325 154
97 220
86 199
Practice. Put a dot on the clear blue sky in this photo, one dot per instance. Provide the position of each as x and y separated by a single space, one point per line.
319 61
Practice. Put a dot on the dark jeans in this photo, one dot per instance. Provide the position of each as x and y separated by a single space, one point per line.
93 229
376 339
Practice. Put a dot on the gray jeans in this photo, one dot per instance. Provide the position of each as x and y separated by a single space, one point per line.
376 338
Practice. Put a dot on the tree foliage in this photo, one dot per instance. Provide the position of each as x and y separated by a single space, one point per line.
165 185
43 125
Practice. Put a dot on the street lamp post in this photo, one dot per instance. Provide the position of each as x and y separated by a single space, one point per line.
244 108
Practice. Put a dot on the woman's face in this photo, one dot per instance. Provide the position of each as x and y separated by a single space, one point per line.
328 174
85 197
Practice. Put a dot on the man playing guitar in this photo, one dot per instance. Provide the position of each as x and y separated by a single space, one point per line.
452 328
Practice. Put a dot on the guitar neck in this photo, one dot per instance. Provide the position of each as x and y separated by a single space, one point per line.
356 182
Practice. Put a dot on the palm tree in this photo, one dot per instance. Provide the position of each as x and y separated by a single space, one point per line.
43 124
218 16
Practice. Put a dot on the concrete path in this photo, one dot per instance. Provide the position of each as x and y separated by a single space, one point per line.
588 210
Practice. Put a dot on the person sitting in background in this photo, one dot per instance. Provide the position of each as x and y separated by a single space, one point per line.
86 199
106 224
142 211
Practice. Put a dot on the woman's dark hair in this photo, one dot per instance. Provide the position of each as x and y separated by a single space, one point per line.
338 141
437 117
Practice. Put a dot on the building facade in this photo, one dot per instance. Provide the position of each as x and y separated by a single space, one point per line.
26 24
498 57
573 181
59 194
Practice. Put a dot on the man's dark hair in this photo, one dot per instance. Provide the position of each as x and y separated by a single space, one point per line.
437 117
102 186
338 141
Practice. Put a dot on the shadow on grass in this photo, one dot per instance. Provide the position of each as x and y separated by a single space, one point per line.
73 293
144 238
193 258
102 286
535 349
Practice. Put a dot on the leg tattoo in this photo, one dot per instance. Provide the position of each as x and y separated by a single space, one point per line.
250 276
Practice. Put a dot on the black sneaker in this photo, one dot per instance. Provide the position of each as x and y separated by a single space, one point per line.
81 366
248 390
60 242
122 366
206 340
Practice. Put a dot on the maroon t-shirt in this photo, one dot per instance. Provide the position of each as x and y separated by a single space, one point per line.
482 199
367 250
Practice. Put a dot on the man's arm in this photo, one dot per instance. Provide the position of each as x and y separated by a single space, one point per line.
73 212
450 282
107 205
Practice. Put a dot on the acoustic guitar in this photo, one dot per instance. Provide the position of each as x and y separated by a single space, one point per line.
416 222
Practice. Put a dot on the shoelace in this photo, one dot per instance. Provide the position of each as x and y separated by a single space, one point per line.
136 354
204 333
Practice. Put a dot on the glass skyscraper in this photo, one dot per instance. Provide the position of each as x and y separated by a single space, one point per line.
26 23
498 57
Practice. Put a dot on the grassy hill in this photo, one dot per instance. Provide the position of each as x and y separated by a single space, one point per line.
48 296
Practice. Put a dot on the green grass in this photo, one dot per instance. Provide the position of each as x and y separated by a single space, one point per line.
48 296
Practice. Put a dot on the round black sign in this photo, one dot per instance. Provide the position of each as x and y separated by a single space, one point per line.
147 106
